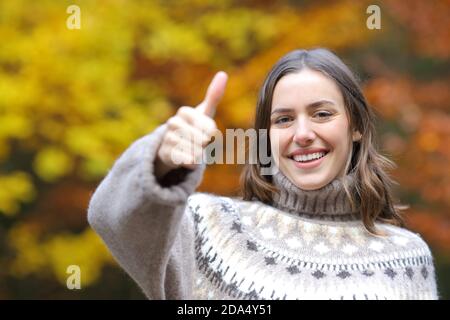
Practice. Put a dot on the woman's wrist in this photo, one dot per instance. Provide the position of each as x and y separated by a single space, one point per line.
161 169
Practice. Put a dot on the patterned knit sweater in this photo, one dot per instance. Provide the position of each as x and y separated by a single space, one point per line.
178 244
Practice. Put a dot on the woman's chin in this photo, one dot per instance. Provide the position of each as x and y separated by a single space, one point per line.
309 187
309 181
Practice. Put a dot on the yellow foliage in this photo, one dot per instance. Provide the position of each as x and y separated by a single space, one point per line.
55 254
14 125
86 251
52 163
29 257
16 187
428 141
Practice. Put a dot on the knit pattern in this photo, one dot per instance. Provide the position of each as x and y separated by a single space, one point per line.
178 244
249 250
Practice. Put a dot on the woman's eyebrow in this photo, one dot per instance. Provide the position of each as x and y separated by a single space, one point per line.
313 105
319 103
281 110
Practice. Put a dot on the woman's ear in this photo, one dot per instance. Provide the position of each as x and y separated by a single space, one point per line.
356 136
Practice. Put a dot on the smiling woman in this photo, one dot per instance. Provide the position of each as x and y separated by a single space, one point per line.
319 113
323 226
316 125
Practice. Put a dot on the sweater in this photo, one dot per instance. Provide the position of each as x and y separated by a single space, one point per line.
180 244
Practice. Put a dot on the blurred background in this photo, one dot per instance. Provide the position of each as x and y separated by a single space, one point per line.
71 101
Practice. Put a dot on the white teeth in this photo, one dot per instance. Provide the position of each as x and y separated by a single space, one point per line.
309 156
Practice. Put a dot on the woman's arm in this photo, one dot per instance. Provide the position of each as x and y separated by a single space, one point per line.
141 219
138 209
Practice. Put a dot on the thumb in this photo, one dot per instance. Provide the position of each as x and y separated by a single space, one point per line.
215 91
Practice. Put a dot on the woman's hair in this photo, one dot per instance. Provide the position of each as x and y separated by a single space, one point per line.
373 186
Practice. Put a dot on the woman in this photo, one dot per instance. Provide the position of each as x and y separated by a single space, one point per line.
323 226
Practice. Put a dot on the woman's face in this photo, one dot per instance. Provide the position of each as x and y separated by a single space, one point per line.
308 116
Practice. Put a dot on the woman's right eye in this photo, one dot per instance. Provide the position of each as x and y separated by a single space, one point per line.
279 120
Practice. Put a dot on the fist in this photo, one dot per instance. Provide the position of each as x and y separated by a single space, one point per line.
190 130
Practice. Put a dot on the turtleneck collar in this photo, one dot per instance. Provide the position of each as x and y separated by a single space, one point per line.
328 203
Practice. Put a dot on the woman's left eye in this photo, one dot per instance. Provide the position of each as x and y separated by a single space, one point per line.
324 114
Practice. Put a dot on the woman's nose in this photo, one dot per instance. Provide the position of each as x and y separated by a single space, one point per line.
304 134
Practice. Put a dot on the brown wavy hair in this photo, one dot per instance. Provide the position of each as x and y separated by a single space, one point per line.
372 191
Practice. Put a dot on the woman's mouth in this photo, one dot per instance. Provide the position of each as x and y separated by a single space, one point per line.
309 161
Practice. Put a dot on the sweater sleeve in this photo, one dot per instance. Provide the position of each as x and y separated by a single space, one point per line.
142 220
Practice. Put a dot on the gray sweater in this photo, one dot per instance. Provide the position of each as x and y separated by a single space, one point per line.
178 244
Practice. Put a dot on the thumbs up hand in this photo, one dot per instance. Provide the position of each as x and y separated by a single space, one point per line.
190 130
214 93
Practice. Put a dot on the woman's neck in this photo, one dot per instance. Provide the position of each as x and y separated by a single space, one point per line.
328 203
